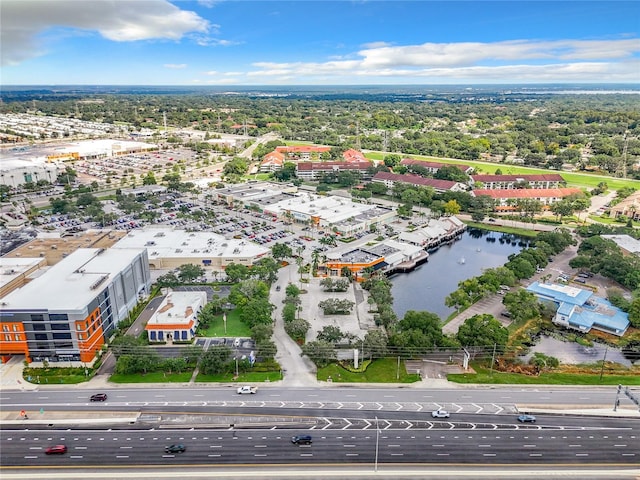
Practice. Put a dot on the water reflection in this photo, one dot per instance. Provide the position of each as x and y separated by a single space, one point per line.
426 287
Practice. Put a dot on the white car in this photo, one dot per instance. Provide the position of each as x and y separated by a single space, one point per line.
247 389
440 414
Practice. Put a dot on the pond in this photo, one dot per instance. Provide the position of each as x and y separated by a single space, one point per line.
426 287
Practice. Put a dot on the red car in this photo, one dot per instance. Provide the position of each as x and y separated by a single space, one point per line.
56 449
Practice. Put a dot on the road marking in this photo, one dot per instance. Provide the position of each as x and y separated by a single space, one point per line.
125 446
122 456
488 454
535 454
214 455
621 445
81 448
352 454
582 454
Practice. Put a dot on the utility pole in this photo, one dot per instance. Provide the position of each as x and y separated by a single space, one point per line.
604 359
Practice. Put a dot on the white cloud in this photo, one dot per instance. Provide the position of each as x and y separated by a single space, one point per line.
122 21
175 65
612 60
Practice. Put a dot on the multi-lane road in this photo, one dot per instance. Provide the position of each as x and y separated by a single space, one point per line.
369 427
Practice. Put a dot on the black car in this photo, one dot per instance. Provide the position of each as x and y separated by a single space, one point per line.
301 439
98 397
177 448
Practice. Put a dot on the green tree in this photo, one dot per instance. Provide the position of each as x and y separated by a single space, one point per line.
297 328
331 334
482 330
522 305
187 273
236 272
215 360
321 353
281 251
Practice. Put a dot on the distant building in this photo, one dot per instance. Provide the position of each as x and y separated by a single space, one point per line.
176 319
627 243
580 309
629 207
435 233
546 197
272 162
440 186
506 182
354 156
303 153
316 170
433 167
69 312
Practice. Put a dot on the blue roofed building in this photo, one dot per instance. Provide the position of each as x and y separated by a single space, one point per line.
580 309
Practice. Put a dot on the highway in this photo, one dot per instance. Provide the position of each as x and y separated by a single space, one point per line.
219 427
531 445
144 395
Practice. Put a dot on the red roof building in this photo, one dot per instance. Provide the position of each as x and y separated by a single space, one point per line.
272 161
546 196
352 155
433 167
390 179
315 170
505 182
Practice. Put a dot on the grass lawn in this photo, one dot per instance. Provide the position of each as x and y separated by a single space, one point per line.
383 370
248 377
573 179
235 327
152 377
56 379
483 375
523 232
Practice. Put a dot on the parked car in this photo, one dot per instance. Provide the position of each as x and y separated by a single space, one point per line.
527 419
56 450
301 440
247 389
176 448
440 414
98 397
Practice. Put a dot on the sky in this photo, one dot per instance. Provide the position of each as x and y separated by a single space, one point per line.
330 42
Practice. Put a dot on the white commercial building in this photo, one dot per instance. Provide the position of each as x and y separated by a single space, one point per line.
177 317
168 248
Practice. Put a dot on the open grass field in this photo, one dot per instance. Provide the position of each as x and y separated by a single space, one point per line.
235 327
151 377
574 179
610 377
382 370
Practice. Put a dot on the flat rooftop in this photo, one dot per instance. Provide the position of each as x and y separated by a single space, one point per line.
54 248
73 282
169 243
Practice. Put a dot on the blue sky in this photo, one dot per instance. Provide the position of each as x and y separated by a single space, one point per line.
210 42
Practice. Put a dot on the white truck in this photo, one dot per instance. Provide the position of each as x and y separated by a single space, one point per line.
247 389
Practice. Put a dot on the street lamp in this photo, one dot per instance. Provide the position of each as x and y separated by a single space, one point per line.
377 443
